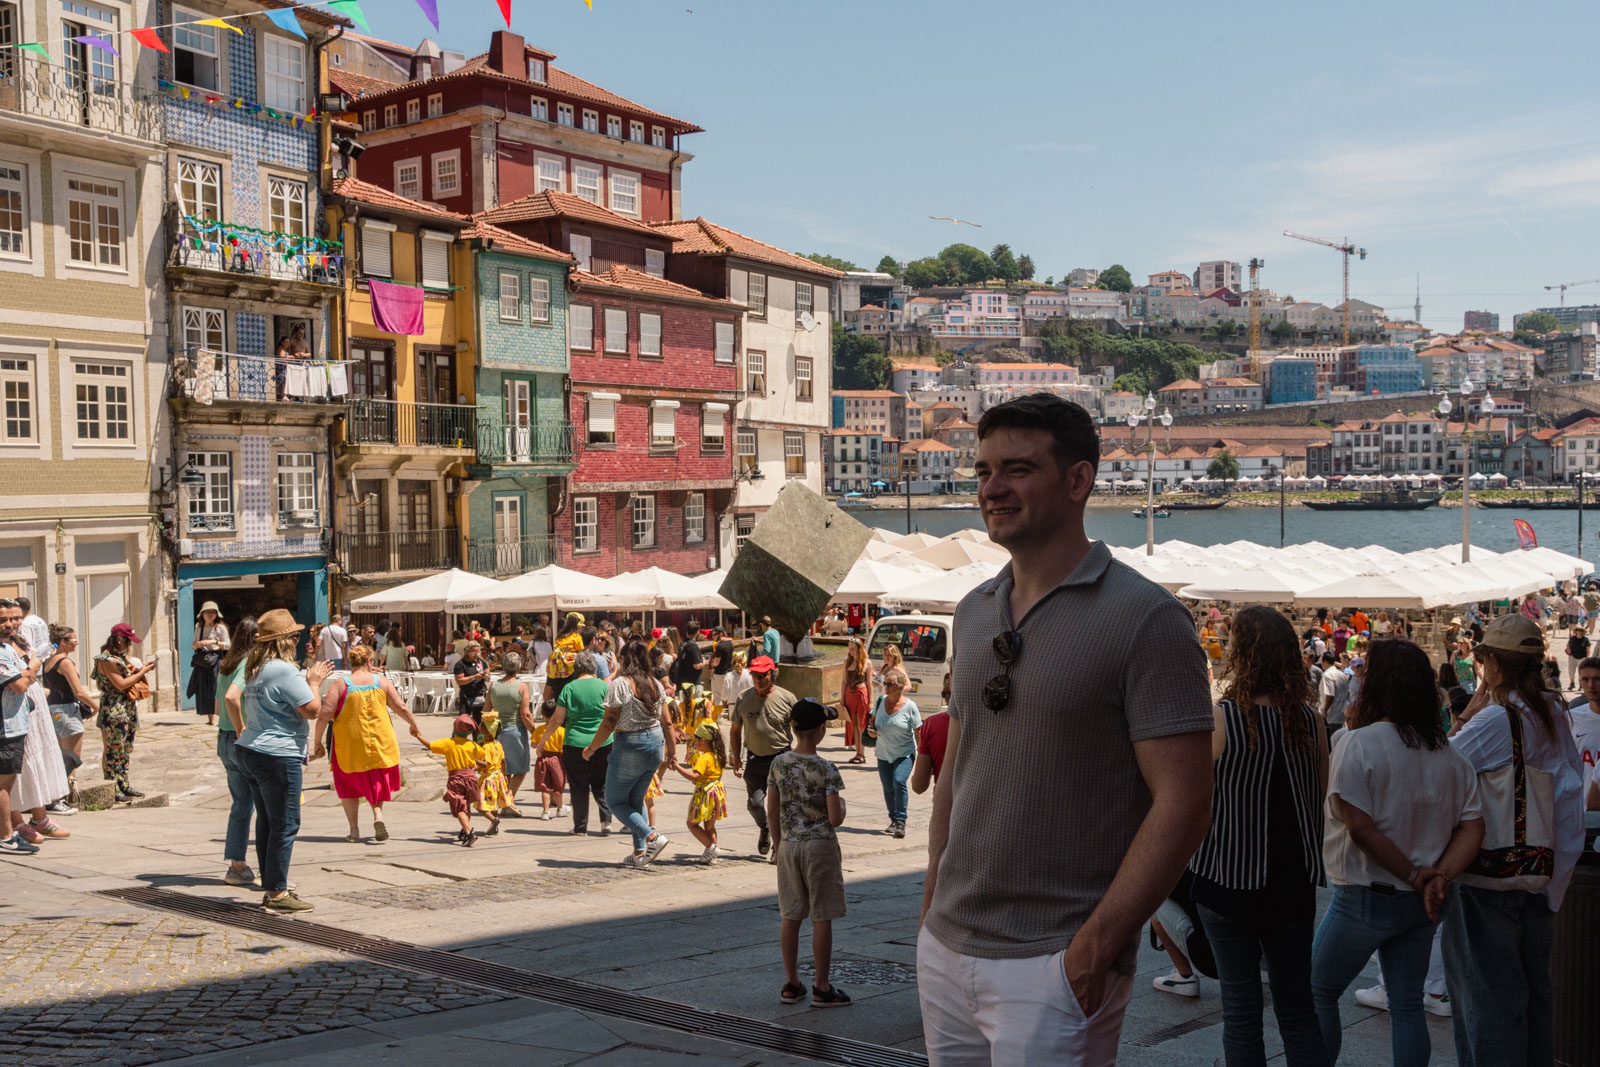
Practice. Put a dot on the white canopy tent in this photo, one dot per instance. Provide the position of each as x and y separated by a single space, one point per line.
425 594
948 555
942 592
911 542
1246 583
869 579
549 588
670 591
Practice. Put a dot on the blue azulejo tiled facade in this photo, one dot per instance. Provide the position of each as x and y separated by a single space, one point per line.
252 286
524 439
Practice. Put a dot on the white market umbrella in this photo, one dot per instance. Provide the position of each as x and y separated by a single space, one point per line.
424 594
671 591
551 587
970 533
948 555
881 535
1371 590
868 580
940 593
1245 585
1560 564
911 542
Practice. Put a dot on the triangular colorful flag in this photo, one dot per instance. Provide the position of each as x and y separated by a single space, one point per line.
97 42
351 9
220 24
150 39
286 22
39 49
590 3
505 9
430 8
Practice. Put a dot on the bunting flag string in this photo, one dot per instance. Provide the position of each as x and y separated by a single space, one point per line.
285 21
430 8
351 9
150 39
248 242
505 9
189 92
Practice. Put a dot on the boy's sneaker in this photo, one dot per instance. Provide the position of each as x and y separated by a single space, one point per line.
29 834
468 838
16 846
48 828
833 997
764 842
652 849
239 876
890 828
546 815
287 904
60 807
899 829
1178 985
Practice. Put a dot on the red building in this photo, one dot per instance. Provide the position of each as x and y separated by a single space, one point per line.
654 378
544 128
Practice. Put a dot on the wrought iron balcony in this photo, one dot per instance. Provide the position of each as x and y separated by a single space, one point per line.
503 441
32 87
206 377
403 424
396 551
190 249
496 558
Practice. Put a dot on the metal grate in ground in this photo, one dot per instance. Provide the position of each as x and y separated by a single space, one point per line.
1169 1033
582 996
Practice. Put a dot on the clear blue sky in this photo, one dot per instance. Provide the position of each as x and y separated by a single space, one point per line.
1455 140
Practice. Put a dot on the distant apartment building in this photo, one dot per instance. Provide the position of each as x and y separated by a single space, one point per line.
1227 367
1074 303
1171 279
1227 396
1045 304
1083 277
871 320
1412 444
919 308
1289 380
907 378
1218 274
1568 315
1184 396
962 436
1357 448
861 287
854 462
1319 459
939 412
877 411
1380 369
1481 321
1181 306
1116 406
986 374
1573 355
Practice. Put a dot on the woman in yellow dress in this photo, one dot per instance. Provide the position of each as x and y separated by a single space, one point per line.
363 752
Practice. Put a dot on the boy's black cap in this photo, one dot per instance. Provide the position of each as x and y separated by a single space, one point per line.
809 713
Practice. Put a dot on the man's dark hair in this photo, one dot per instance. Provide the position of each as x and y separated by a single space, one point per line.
1076 440
6 604
1590 663
1330 657
25 604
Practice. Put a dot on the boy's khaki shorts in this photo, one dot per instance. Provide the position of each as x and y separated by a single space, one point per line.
810 880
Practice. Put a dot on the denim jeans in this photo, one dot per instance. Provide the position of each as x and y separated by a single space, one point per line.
1239 947
1397 926
1497 964
243 803
894 774
275 790
635 758
586 778
756 770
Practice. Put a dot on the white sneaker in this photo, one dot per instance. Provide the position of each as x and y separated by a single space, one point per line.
709 856
1437 1005
652 849
545 815
566 809
1178 985
1378 997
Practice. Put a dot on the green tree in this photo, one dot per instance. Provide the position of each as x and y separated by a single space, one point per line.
887 265
1223 467
1538 322
1282 330
1054 341
927 272
1051 280
1116 278
1025 268
1132 382
832 261
943 358
1005 266
967 265
1527 338
1227 328
859 362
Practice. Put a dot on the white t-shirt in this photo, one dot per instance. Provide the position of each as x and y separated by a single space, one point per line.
334 641
451 660
541 656
1586 732
1336 684
1415 796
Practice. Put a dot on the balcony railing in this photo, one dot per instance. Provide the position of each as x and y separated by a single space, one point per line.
33 87
393 551
496 558
206 377
189 248
505 441
408 425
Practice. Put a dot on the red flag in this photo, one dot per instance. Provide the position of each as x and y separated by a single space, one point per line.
505 9
1526 538
150 39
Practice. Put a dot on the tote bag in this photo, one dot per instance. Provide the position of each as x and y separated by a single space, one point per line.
1519 806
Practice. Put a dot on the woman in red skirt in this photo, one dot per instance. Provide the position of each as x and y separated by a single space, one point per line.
363 751
857 697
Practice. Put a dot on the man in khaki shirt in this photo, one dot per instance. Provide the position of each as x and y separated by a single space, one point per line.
761 728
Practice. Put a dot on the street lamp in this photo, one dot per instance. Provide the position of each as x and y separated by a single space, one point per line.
1467 388
1149 417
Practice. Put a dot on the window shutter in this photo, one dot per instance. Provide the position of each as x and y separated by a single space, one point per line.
435 261
649 334
739 286
711 420
602 414
664 420
377 250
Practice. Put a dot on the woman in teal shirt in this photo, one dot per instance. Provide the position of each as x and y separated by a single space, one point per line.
580 707
894 723
230 687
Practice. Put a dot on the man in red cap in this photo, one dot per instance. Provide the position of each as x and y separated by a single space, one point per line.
760 731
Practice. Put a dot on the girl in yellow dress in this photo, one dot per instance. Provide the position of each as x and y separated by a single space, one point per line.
494 792
710 801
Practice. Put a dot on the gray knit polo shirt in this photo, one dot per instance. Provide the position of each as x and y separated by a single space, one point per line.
1047 796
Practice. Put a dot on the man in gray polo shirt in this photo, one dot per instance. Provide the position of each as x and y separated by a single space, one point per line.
1078 764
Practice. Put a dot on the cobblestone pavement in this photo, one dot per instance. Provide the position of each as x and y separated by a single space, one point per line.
142 988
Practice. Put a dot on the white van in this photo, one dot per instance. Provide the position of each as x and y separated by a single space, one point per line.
927 644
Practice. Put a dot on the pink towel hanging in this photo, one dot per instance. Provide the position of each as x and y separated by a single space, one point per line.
396 308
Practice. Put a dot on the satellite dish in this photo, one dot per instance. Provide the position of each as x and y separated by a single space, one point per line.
808 321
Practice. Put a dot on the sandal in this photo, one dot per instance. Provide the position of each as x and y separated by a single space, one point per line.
832 997
791 993
353 837
858 758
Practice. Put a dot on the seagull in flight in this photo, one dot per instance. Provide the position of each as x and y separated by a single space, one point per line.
955 222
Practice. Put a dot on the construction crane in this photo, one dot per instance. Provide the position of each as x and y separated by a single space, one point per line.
1348 250
1564 286
1255 313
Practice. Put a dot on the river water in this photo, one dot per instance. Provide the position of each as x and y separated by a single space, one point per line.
1402 531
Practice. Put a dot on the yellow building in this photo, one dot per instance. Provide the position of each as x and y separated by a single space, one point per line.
410 429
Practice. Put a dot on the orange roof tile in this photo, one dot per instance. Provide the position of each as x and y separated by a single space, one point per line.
377 196
634 281
359 86
552 204
703 236
1182 383
507 241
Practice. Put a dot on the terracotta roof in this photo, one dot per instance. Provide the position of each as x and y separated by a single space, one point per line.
634 281
507 241
923 300
1024 366
865 392
936 405
957 424
1233 381
864 307
1582 428
1319 444
1182 383
707 238
359 86
377 196
551 204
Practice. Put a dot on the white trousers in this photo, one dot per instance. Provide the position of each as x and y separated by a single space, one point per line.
1009 1013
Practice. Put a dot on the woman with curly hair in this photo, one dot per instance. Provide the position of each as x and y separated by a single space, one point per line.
1257 872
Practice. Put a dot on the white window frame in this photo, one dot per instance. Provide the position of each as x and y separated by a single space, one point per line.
536 70
746 448
804 300
713 439
282 89
204 328
288 192
755 372
16 244
756 295
99 196
591 120
663 425
582 249
440 186
694 518
435 105
197 177
195 43
564 114
19 398
102 389
658 136
625 200
600 420
213 501
587 181
655 262
414 163
580 338
616 329
377 234
369 121
585 524
538 299
642 509
413 110
724 343
440 244
614 126
794 447
510 301
636 131
539 108
544 178
803 368
650 334
296 484
391 115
